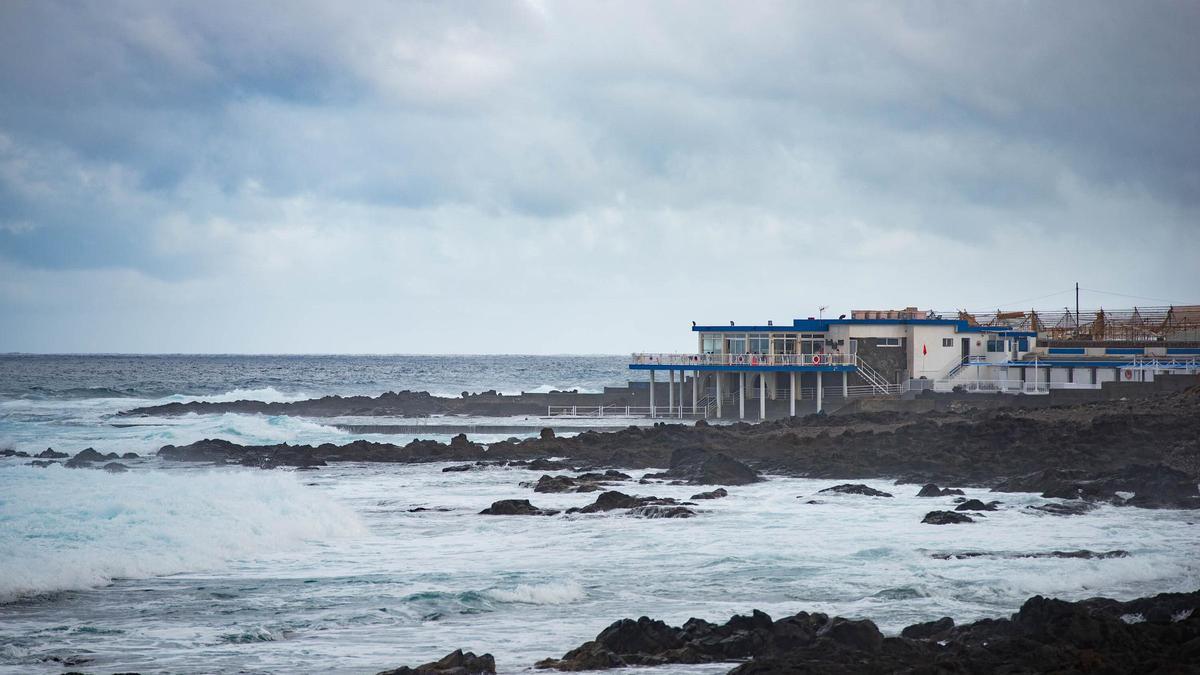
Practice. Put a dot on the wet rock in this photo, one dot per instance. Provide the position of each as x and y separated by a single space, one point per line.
130 455
862 635
587 482
42 463
946 518
856 489
613 500
459 467
714 494
700 467
1082 554
930 630
515 507
976 505
115 467
546 434
51 453
1153 486
547 465
1068 509
87 457
662 512
931 490
454 663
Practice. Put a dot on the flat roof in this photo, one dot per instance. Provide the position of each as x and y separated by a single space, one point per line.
822 326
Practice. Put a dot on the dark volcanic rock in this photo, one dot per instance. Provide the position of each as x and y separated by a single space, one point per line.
662 512
1068 509
130 455
587 482
700 467
612 500
547 465
946 518
976 505
714 494
1153 486
42 463
515 507
115 467
1080 554
51 453
460 467
856 489
930 630
931 490
87 457
454 663
1044 636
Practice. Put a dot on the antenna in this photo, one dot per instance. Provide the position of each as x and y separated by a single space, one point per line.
821 311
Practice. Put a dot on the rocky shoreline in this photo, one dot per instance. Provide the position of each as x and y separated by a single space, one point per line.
1159 634
1144 453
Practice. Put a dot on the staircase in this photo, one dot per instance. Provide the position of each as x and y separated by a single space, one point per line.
878 382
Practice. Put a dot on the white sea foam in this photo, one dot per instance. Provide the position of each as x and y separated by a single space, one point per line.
73 529
264 394
554 593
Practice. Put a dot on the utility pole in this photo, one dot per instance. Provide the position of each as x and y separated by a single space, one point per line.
1077 308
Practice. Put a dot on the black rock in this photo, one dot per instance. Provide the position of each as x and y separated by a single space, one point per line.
50 453
930 630
714 494
662 512
700 467
976 505
856 489
945 518
612 500
42 463
115 467
1077 508
130 455
931 490
459 467
515 507
454 663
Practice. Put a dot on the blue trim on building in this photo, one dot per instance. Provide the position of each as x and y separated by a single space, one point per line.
1124 350
1182 350
1080 363
822 326
1067 350
755 369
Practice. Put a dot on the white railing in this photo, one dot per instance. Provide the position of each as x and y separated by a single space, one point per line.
993 386
966 361
879 382
1185 364
687 360
700 410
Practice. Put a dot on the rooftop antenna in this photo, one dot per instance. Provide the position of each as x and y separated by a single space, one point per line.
821 311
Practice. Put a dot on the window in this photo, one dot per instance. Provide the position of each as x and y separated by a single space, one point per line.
760 343
889 342
735 345
712 343
997 345
785 344
947 342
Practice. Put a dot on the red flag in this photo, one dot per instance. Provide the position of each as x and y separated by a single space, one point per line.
924 351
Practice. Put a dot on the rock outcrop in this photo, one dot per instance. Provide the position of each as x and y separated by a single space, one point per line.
856 489
946 518
454 663
515 507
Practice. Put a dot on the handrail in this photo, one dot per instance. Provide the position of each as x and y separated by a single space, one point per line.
873 377
823 359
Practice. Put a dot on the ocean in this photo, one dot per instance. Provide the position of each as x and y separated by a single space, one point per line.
186 569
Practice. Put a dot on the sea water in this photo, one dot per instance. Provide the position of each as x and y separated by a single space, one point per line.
184 569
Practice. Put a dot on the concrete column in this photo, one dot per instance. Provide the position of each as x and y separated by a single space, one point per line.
651 393
742 395
762 396
682 377
819 393
720 404
670 392
845 384
792 397
695 389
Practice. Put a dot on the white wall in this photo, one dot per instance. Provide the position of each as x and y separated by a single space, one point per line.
939 360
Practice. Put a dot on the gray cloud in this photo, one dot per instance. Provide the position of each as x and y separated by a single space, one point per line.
648 161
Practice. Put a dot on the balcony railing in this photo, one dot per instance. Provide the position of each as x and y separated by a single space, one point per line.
752 360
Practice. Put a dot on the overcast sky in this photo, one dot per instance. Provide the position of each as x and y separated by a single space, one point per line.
570 177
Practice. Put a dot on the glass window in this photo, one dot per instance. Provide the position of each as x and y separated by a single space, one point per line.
785 344
712 343
889 342
759 343
735 344
947 342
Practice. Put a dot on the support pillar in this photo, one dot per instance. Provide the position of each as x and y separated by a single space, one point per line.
845 384
682 377
792 396
695 389
819 393
762 396
720 403
742 395
670 392
651 393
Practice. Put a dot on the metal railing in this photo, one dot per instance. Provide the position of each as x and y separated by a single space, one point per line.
873 377
752 360
700 410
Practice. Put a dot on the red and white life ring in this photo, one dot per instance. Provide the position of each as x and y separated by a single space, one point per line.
816 359
1128 373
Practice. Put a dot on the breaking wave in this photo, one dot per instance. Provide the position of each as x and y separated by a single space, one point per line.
64 529
554 593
